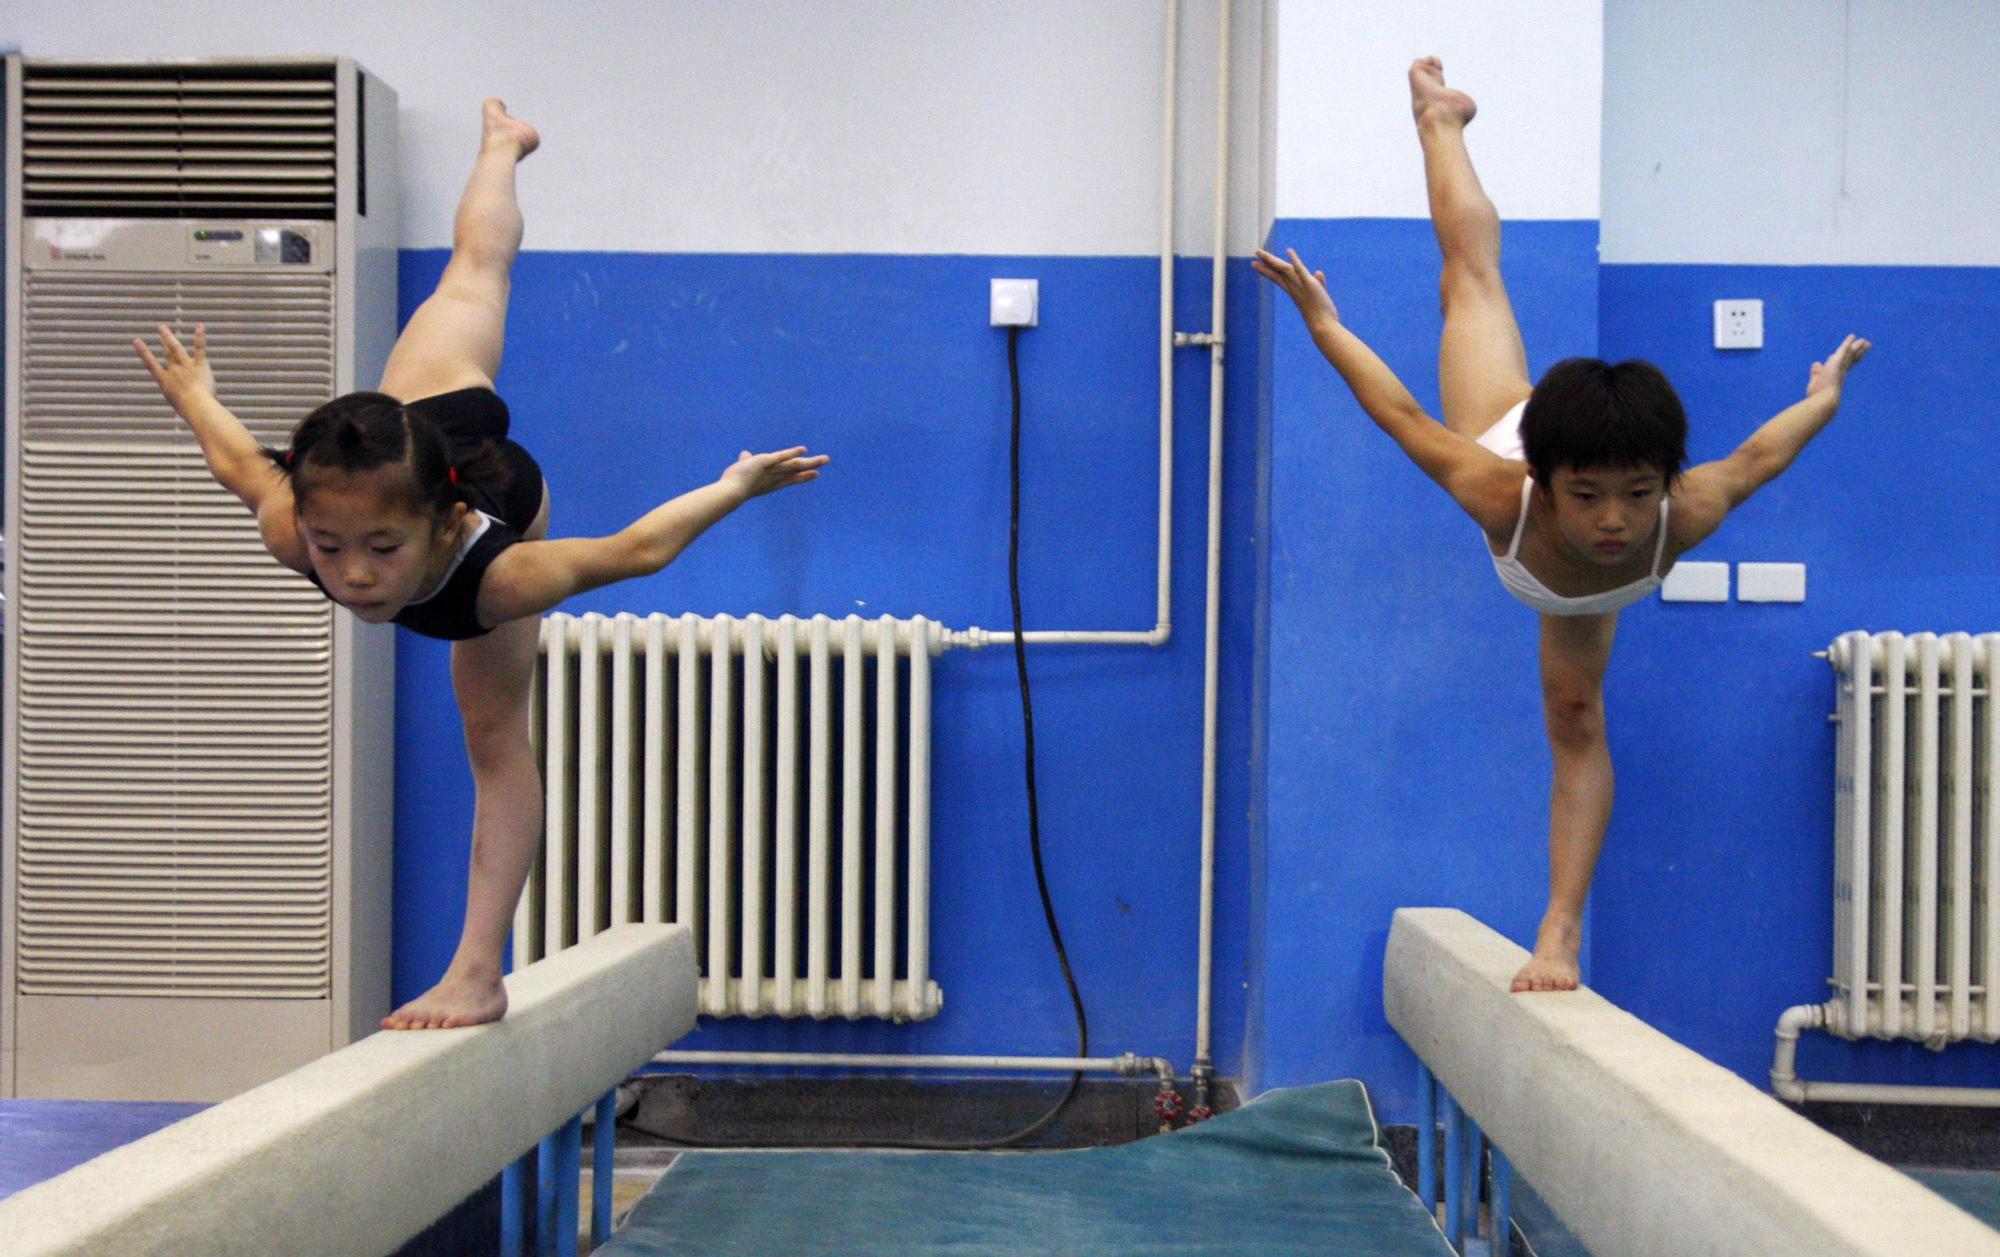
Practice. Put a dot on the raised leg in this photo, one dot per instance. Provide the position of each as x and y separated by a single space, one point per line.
454 339
1575 652
1482 365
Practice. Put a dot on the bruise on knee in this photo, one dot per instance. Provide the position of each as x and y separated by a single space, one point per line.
1574 714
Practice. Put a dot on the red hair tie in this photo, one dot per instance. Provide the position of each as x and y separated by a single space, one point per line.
453 473
288 459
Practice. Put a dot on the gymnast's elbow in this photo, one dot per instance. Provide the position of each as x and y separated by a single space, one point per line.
640 552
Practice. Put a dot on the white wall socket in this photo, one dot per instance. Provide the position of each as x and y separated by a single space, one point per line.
1016 302
1739 323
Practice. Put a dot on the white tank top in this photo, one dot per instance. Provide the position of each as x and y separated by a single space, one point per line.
1528 587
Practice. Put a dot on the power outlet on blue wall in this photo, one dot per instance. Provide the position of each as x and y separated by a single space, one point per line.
1739 323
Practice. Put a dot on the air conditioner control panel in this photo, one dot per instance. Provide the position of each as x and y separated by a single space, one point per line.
247 246
165 244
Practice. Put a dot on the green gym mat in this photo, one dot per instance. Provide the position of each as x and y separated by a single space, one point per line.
1975 1191
1295 1171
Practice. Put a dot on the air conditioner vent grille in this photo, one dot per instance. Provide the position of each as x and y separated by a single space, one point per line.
175 684
178 141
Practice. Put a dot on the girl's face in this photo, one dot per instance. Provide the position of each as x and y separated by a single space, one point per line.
1605 515
371 551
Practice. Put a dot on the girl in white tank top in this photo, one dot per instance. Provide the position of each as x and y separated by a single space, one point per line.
1603 502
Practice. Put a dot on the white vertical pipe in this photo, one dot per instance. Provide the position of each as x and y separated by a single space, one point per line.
589 700
1924 833
1959 958
558 856
1212 613
689 779
654 781
624 849
785 821
719 989
851 750
751 831
885 817
1169 105
918 928
819 732
1988 732
1889 904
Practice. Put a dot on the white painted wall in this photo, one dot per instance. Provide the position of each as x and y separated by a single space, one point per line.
1345 145
1802 132
891 126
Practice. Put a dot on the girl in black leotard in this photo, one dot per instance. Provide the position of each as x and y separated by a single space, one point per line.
412 505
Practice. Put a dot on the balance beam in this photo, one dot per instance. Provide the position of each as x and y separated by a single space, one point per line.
1640 1145
365 1147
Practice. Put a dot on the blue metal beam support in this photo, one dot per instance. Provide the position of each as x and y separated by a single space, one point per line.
569 1184
1454 1170
603 1130
1427 1174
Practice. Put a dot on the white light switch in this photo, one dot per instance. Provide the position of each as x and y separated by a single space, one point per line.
1771 582
1696 582
1016 302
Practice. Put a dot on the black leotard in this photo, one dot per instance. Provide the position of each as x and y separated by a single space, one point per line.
469 418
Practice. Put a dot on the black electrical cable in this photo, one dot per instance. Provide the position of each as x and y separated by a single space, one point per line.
1034 840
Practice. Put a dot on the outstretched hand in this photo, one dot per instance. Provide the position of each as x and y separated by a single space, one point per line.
1832 373
753 475
182 375
1306 288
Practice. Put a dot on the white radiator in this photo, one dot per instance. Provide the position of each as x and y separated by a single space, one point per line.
764 782
1916 947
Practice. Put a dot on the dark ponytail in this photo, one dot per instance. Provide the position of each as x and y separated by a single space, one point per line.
360 432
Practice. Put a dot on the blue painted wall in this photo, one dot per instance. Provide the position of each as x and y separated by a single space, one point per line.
1405 762
634 377
1382 738
1713 910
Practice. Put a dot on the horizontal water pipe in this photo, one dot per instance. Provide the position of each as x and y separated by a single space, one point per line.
1129 1065
1787 1085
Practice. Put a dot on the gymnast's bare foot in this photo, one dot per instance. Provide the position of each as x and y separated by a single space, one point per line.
463 997
1429 97
1553 965
504 128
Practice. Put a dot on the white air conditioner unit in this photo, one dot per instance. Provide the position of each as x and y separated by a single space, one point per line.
197 764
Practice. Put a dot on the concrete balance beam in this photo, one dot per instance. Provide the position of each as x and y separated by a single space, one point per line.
365 1147
1642 1146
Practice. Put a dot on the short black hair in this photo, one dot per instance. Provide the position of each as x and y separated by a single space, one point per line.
1587 412
359 432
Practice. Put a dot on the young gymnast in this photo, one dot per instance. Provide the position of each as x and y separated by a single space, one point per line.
1576 480
412 506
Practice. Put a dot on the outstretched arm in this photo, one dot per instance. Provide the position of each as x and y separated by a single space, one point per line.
535 576
1486 486
1710 491
234 458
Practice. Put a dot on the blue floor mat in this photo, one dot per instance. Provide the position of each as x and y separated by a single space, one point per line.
1294 1171
41 1138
